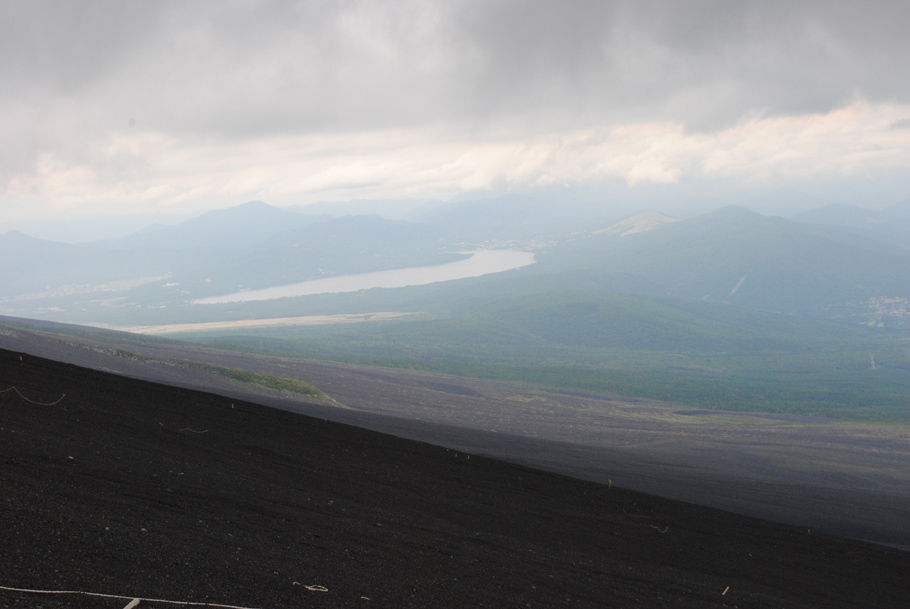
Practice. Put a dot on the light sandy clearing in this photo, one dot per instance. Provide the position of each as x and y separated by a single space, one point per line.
306 320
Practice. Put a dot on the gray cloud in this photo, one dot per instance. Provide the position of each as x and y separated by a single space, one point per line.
308 64
702 63
250 67
76 73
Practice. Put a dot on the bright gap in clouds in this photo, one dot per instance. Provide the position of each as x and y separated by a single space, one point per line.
146 170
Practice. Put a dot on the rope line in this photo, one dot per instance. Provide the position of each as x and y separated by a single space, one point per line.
31 401
121 597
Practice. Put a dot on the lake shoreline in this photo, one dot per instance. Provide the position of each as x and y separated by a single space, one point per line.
480 262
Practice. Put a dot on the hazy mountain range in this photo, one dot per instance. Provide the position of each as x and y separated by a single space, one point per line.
891 224
834 263
736 256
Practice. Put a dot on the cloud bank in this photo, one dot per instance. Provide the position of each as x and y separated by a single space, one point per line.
124 106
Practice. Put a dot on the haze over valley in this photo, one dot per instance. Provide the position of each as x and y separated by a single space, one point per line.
777 314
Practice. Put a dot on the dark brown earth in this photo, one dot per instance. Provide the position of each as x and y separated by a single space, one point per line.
845 479
143 490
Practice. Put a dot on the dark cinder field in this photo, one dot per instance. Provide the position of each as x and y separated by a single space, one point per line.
145 490
845 478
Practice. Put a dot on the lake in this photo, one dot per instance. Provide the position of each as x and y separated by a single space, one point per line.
481 262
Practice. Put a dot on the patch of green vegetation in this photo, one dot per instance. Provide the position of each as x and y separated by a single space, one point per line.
521 398
266 381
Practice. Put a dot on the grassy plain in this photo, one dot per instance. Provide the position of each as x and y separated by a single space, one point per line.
694 354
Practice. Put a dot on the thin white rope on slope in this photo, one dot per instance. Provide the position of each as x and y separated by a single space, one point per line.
120 596
31 401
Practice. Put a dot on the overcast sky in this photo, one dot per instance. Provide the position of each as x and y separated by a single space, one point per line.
147 107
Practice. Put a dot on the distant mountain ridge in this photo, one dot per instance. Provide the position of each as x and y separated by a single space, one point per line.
891 223
30 265
730 255
235 227
323 247
737 256
252 245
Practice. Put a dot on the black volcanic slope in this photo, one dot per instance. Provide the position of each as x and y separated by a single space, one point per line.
131 488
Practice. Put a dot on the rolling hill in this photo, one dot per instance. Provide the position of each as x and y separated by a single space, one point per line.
248 246
231 229
891 223
736 256
30 266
